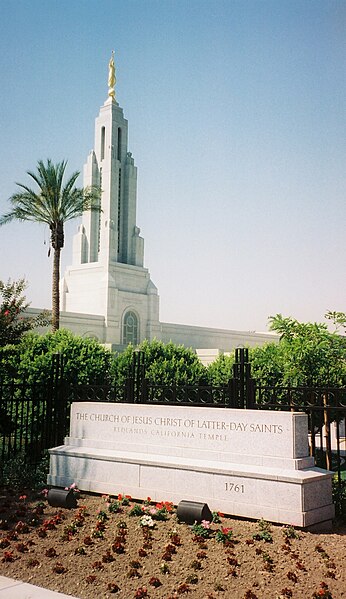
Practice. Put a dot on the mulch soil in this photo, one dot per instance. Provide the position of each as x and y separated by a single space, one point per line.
90 551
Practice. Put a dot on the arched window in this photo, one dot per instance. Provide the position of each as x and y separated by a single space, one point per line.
130 329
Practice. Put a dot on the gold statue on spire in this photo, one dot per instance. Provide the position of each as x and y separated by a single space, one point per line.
111 77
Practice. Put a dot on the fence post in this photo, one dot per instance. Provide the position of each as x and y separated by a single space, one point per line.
250 394
327 432
138 372
290 399
311 414
231 392
129 390
58 400
144 391
242 391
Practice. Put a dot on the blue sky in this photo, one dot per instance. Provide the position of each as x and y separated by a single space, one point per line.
236 116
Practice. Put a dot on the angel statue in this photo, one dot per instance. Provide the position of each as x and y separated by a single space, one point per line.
111 77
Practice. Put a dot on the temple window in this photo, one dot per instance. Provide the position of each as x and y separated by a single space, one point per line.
130 328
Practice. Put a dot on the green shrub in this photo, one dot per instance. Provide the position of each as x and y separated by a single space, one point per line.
14 323
221 370
85 361
18 473
164 364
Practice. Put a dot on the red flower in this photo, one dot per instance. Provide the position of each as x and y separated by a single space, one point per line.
21 527
155 582
142 592
42 532
59 568
113 587
8 556
88 541
21 547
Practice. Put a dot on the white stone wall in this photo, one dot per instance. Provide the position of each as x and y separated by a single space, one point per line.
85 325
213 341
209 338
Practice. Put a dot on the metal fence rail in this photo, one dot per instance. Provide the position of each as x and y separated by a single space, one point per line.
207 395
26 420
326 410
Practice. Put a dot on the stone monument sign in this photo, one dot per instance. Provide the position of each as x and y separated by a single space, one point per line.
249 463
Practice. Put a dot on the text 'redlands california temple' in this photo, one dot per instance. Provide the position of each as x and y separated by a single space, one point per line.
106 292
107 276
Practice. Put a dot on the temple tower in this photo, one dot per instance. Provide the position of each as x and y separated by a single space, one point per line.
107 276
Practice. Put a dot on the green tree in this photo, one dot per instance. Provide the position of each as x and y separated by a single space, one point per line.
85 360
338 319
13 321
53 203
268 364
308 353
29 366
164 364
221 370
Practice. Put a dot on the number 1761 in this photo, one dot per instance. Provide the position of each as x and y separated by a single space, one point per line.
232 487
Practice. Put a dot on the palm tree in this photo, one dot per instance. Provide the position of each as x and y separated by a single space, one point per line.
53 203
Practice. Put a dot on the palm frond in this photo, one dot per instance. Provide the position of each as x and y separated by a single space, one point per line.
53 203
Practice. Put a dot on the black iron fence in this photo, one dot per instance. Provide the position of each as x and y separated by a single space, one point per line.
34 417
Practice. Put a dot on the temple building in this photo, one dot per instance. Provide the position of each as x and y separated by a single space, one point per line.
107 293
107 276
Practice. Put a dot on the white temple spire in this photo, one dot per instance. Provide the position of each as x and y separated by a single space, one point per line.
107 277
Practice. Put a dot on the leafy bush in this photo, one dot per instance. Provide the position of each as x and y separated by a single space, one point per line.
220 371
202 529
13 322
85 360
165 364
18 473
339 497
264 533
268 364
308 354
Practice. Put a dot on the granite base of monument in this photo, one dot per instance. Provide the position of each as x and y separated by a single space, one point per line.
246 463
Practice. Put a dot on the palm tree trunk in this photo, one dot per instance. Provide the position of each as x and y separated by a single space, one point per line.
57 241
55 290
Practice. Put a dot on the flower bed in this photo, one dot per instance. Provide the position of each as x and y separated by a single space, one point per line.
113 546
